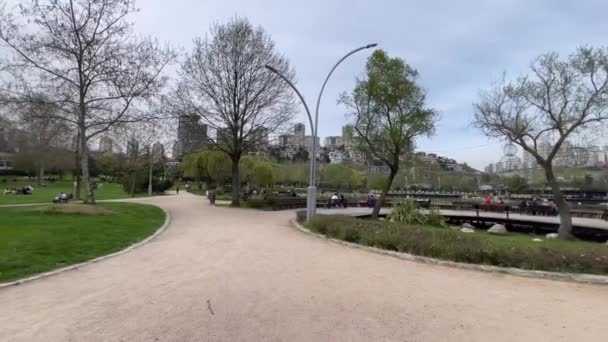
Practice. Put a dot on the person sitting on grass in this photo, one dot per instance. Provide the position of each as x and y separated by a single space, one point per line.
27 190
62 197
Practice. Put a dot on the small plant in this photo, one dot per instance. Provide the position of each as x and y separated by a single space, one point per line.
434 218
406 211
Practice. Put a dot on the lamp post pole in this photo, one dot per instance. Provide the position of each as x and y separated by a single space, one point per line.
311 198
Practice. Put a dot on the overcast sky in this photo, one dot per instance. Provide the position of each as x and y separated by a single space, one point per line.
458 47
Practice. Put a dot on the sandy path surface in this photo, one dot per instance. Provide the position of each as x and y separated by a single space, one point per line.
220 274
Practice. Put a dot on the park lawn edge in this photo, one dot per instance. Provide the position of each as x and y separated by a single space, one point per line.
584 278
128 248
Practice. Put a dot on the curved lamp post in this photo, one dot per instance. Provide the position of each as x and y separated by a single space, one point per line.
311 202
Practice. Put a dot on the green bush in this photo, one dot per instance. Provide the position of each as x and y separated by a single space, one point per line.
434 218
407 211
301 216
256 203
508 251
141 184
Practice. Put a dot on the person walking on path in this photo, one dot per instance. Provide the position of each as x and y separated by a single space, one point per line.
177 189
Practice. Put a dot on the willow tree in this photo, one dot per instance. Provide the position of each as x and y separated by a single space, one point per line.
389 113
541 110
206 166
223 80
87 63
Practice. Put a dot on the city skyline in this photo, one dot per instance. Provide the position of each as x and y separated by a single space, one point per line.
472 47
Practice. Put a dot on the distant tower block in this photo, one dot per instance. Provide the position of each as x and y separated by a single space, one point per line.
580 156
510 160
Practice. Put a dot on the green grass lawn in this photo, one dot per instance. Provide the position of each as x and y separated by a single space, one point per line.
41 238
513 250
46 194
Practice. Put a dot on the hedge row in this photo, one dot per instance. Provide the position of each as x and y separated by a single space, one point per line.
443 243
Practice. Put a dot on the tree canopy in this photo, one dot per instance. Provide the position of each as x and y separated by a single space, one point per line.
540 110
389 113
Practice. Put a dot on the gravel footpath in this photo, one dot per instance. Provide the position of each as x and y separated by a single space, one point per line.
219 274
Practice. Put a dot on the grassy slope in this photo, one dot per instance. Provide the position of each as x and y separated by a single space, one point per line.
34 240
46 194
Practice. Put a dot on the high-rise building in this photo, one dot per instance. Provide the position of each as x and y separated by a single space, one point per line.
260 139
283 140
158 151
490 169
191 134
498 167
347 135
106 145
333 142
308 145
529 162
299 129
133 148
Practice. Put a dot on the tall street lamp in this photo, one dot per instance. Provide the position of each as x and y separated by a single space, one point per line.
311 199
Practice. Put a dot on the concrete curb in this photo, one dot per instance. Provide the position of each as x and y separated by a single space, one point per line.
98 259
570 277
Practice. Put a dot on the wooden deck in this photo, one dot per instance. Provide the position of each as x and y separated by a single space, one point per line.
481 216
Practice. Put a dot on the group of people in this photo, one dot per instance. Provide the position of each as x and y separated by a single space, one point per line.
336 201
371 201
538 206
26 190
497 201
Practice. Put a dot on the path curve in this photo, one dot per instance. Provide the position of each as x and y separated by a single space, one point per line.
220 274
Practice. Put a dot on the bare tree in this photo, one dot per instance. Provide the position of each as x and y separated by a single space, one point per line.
223 80
389 113
136 140
540 111
83 56
45 132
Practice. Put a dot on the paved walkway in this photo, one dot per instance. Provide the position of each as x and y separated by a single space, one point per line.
220 274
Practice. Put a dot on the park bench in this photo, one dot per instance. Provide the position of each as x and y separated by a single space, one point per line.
465 205
494 208
598 214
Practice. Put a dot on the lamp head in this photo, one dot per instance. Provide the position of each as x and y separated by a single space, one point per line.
369 46
271 69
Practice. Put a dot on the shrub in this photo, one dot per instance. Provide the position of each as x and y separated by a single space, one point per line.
301 216
434 218
141 184
255 203
261 203
407 212
507 251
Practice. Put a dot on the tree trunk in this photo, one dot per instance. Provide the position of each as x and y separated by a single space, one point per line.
77 178
40 173
84 168
150 173
565 218
132 185
387 187
78 186
236 183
